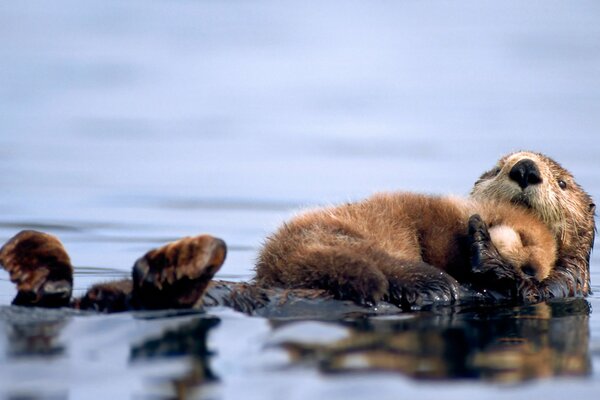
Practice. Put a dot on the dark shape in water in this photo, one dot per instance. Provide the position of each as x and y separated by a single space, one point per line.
509 344
186 340
35 339
34 331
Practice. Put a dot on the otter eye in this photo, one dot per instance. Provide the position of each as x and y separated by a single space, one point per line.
562 184
528 270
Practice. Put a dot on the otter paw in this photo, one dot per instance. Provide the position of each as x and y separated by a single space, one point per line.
176 274
484 255
493 274
530 292
487 264
40 266
365 287
421 284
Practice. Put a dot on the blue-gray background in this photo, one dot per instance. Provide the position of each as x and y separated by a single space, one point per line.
125 124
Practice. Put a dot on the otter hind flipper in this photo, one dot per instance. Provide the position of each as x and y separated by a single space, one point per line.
40 266
176 274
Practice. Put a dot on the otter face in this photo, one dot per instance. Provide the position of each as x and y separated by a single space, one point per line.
534 258
540 184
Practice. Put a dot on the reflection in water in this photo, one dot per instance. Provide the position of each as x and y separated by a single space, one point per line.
506 345
35 339
187 340
33 332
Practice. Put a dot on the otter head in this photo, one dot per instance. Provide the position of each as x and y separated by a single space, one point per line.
540 184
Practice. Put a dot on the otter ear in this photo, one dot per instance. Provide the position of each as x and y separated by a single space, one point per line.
488 175
592 208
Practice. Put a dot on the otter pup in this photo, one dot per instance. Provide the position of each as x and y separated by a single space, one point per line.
537 183
388 246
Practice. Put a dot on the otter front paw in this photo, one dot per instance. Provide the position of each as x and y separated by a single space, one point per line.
493 274
485 258
413 286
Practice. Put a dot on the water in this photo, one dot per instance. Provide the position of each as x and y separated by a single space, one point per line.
124 125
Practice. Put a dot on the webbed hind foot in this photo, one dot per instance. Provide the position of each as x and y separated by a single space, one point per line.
176 274
40 266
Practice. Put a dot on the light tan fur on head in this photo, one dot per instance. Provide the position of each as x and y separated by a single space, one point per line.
531 258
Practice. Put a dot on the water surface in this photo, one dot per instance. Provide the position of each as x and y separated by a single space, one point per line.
124 125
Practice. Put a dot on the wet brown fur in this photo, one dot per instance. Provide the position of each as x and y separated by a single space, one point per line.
568 211
175 275
40 266
390 244
383 247
114 296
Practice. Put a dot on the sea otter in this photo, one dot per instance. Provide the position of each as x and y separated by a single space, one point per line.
536 182
393 247
546 178
524 180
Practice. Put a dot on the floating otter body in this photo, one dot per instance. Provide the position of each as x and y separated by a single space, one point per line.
536 182
352 250
529 185
394 247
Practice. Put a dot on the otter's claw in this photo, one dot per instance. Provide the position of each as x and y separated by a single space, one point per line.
490 271
484 255
422 284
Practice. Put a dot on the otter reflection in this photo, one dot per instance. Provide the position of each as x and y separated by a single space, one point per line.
187 340
32 333
510 344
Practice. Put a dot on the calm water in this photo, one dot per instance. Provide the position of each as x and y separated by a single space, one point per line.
124 125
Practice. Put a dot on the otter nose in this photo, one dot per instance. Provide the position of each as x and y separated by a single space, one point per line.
525 173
